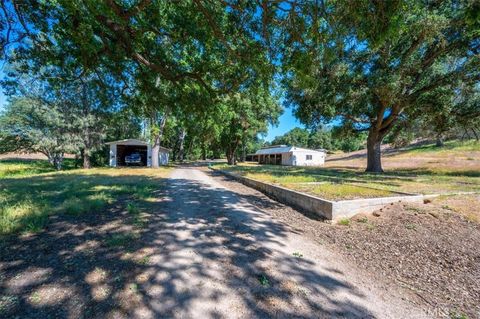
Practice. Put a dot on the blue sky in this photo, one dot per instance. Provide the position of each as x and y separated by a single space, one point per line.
287 121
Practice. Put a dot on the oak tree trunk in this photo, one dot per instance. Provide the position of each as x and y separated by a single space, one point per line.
189 148
374 153
58 161
157 139
231 150
86 159
231 158
182 145
475 133
439 142
204 152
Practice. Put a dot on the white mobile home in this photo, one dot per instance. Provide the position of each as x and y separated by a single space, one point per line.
289 155
119 150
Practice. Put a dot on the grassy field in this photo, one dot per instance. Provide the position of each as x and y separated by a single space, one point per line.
339 191
11 167
425 169
455 147
460 158
30 192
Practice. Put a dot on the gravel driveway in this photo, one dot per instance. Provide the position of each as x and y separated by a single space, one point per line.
225 257
206 248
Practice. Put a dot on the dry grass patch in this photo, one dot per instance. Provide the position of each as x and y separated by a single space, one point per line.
467 206
339 191
425 169
282 179
28 167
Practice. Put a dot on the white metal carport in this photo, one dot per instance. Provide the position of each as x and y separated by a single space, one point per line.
120 149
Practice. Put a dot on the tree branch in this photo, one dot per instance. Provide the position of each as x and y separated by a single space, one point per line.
127 14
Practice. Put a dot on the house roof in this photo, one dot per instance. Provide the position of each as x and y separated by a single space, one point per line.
132 141
283 149
274 150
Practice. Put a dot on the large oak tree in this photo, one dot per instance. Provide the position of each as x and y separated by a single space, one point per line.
179 44
369 63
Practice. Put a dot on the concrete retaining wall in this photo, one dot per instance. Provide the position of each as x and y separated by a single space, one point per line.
322 207
348 208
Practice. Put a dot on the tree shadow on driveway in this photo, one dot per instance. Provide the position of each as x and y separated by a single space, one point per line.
203 251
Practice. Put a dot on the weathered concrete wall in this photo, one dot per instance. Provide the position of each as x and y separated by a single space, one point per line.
348 208
289 197
322 207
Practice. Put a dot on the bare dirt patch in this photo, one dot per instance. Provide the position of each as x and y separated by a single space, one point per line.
428 249
78 266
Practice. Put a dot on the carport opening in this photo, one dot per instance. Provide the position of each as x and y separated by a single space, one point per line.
126 150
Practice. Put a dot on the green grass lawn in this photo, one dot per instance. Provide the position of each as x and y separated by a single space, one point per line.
28 195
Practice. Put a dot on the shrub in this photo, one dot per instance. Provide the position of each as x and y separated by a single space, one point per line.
344 222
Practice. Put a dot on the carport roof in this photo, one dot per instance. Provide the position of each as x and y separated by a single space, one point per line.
132 141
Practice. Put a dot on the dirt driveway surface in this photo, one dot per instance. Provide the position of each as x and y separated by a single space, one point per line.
226 258
205 251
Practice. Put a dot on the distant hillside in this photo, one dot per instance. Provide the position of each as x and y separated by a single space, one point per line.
453 156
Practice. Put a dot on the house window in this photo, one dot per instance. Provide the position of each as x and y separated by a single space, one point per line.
309 157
